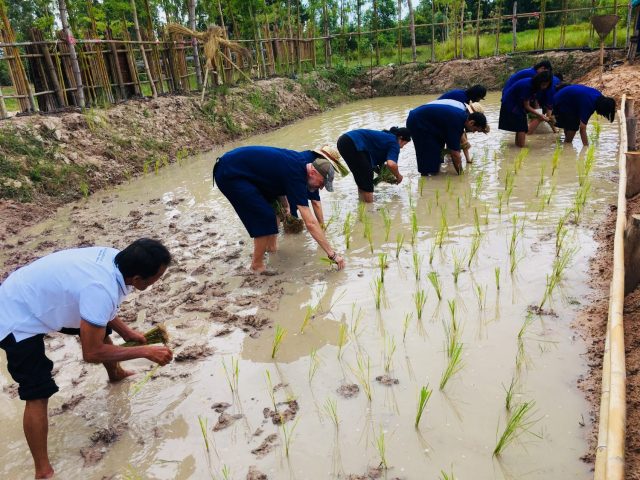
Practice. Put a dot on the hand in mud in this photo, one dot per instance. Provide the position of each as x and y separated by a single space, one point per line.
159 354
399 179
339 261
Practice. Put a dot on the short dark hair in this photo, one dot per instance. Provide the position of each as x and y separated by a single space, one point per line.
606 106
478 118
559 76
544 63
476 93
144 257
400 132
540 78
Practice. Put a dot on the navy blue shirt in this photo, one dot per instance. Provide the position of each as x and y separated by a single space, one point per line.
545 97
577 100
519 75
457 94
381 146
514 97
444 122
274 171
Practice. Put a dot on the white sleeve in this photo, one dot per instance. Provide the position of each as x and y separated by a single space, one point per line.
96 305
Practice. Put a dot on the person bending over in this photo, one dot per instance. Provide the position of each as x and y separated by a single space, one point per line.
76 291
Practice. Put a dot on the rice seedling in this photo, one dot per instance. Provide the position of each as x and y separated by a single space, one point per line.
458 262
521 355
496 273
435 281
423 399
561 232
356 318
594 134
443 219
362 211
479 182
405 325
226 472
540 181
232 374
287 433
520 421
432 252
476 221
580 199
346 230
448 184
500 196
454 365
382 263
452 334
363 374
378 289
399 243
382 449
414 226
443 231
560 264
549 195
417 264
203 421
421 183
270 391
342 338
447 476
314 364
475 246
481 296
157 334
453 306
136 388
277 340
437 198
522 155
458 206
555 160
331 409
308 315
368 232
420 299
386 219
510 391
389 350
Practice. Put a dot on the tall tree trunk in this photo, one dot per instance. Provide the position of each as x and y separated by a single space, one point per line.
325 29
375 29
433 31
136 25
75 66
412 31
194 42
478 30
359 8
462 29
400 32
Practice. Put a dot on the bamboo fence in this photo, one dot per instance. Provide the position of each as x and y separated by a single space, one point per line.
111 70
612 425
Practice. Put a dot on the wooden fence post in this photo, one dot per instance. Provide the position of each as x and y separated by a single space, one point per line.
433 31
3 107
498 27
75 66
632 252
514 27
147 69
615 28
478 30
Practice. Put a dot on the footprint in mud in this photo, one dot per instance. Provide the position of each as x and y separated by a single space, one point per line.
101 439
348 391
68 405
255 474
387 380
225 420
267 445
280 417
220 406
193 352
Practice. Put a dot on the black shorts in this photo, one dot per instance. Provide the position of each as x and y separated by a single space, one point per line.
358 162
567 121
30 367
512 122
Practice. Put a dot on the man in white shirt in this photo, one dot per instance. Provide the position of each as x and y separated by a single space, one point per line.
73 291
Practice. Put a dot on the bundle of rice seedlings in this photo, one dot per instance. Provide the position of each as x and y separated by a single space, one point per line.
384 175
292 224
157 334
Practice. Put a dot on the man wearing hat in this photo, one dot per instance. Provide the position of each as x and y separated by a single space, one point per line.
252 178
440 123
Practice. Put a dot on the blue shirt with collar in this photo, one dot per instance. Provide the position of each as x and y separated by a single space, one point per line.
445 123
457 94
381 146
519 75
514 97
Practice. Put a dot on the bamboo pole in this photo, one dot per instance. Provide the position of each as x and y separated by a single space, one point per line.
400 32
136 25
375 28
194 40
478 29
3 107
615 27
75 66
36 35
359 8
327 38
433 31
514 27
463 3
412 31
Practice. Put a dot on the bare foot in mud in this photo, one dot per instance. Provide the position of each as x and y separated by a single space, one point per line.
257 267
117 373
48 473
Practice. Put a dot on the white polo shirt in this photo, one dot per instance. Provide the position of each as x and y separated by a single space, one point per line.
59 290
448 101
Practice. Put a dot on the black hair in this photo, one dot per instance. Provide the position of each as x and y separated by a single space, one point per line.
478 118
606 106
559 76
144 257
401 132
476 93
540 78
544 63
561 85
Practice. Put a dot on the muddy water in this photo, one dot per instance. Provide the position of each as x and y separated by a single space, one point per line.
160 421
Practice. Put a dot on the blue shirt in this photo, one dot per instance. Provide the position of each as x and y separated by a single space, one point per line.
545 97
274 171
381 146
514 97
519 75
445 123
578 100
458 94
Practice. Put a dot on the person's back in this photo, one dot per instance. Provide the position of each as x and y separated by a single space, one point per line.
381 146
456 94
519 75
516 94
576 99
60 289
445 122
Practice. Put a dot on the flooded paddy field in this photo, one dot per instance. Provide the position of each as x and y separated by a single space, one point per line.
481 273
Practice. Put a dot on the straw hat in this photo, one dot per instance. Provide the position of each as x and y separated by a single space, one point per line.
332 154
477 107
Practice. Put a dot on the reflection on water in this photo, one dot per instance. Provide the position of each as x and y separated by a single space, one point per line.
478 212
